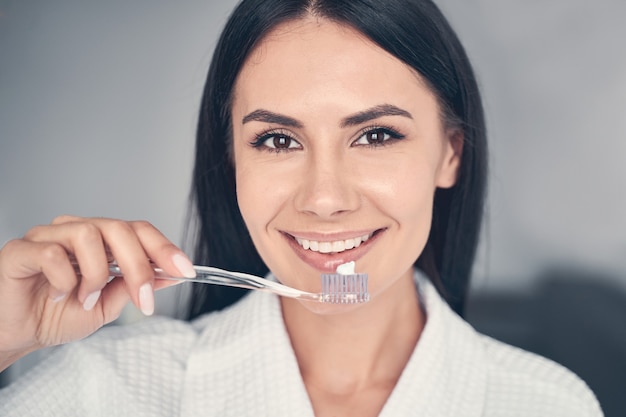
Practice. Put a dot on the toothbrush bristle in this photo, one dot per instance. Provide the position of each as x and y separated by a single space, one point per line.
344 289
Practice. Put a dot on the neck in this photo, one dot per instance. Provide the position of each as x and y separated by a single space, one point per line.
361 349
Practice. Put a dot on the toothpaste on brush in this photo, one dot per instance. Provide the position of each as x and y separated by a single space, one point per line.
346 269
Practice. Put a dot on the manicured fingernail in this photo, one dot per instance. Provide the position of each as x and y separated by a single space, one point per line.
146 299
91 300
184 266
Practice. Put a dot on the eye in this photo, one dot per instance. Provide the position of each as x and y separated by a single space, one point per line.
377 136
276 141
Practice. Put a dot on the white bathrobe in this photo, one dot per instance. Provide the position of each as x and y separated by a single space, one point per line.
239 362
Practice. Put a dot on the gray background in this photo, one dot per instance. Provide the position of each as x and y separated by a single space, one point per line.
98 104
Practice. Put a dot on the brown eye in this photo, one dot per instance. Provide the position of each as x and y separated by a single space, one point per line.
277 142
375 137
281 142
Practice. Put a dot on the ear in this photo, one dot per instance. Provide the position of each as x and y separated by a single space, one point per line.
451 159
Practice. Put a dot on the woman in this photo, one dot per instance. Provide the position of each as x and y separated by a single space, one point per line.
329 132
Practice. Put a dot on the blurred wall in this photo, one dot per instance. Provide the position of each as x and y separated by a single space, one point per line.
98 104
553 74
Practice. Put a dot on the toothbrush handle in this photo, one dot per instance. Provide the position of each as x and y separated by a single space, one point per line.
336 288
211 275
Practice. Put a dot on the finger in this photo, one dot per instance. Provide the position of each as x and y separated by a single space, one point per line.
22 259
162 251
160 284
132 251
159 249
115 297
81 234
132 259
85 241
164 254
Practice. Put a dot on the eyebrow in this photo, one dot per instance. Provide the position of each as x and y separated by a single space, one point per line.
271 117
356 119
374 113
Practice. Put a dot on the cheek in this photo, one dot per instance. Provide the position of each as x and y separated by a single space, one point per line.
250 197
405 186
250 186
403 193
407 198
261 194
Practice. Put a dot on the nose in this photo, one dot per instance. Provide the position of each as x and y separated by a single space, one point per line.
328 188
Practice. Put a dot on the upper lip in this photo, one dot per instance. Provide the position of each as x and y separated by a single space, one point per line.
330 237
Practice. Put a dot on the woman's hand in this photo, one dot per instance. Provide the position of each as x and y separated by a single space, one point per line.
44 302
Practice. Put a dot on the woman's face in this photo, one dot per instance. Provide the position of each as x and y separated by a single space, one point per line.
338 149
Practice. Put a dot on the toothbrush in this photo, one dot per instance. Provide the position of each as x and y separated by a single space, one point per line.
343 287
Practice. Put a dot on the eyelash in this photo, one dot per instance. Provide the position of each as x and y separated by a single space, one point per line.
261 138
394 135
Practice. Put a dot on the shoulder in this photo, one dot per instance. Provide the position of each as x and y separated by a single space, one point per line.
510 382
523 383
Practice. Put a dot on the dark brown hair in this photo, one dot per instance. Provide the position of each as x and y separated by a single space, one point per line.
414 31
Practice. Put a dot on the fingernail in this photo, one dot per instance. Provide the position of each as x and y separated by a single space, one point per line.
91 300
146 299
184 266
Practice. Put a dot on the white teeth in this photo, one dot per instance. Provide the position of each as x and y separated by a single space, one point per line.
332 247
325 247
339 246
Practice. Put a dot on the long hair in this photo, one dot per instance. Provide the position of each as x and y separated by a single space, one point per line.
415 32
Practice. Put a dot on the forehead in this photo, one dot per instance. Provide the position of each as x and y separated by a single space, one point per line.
317 52
320 36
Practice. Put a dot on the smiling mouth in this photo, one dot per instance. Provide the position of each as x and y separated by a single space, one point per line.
336 246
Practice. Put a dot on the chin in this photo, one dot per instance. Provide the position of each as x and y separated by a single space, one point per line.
325 309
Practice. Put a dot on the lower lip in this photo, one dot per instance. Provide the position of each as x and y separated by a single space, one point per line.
328 262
